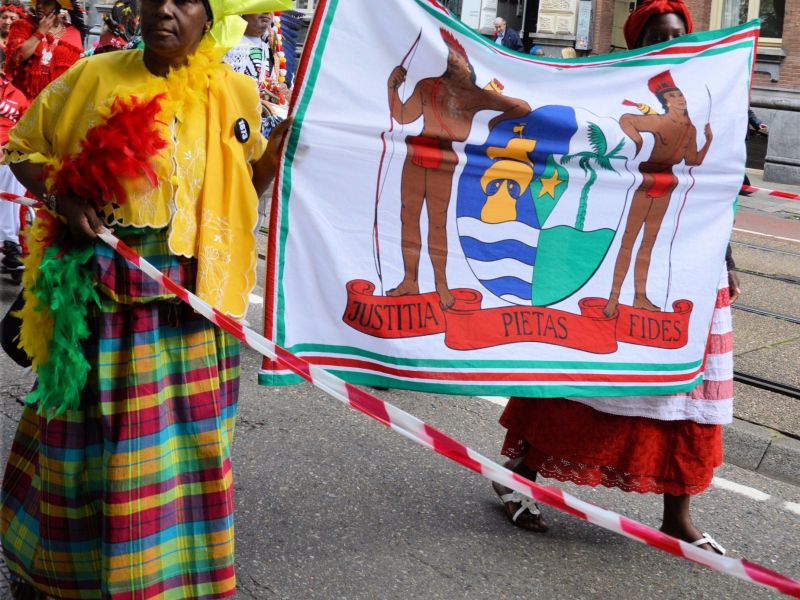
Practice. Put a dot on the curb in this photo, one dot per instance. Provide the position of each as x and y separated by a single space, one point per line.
763 450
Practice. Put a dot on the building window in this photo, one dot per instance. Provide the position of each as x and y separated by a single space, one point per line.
305 5
454 6
728 13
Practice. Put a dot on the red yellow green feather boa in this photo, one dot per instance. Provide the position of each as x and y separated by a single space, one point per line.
58 280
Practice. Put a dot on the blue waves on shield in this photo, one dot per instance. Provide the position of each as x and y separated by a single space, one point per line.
499 218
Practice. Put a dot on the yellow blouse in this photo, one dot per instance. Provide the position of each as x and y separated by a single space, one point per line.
205 194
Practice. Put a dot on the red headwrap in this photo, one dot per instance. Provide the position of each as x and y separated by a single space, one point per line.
637 20
13 8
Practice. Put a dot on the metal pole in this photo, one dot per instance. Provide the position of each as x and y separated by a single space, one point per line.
524 19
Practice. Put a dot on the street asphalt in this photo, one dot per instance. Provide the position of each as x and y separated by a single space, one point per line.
332 505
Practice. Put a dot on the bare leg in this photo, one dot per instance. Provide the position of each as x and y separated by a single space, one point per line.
412 193
678 522
652 225
438 201
640 206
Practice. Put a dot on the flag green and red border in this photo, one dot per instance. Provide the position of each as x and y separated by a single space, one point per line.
485 377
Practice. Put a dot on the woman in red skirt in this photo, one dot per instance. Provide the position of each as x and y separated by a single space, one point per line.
666 445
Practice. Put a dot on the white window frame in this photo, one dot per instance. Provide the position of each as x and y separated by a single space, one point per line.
753 9
312 6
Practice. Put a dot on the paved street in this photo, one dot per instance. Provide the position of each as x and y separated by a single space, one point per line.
330 504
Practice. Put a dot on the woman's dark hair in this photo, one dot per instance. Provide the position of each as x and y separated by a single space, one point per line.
121 21
209 14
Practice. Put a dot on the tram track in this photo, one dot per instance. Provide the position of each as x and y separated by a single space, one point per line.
765 248
766 384
791 279
766 313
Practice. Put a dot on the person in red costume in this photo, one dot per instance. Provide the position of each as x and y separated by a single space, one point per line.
13 104
9 12
42 47
666 445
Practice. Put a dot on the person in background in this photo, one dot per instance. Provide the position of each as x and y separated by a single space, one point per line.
252 56
121 28
13 104
77 18
754 124
536 50
41 47
668 445
505 36
9 12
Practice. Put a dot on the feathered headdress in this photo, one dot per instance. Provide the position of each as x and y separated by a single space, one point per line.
452 43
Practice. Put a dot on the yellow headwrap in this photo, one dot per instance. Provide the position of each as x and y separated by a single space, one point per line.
229 27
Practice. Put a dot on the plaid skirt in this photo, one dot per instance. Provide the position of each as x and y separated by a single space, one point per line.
131 496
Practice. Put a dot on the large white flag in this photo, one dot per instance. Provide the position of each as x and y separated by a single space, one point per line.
452 216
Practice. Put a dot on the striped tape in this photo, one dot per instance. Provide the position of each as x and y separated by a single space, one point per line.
426 435
751 189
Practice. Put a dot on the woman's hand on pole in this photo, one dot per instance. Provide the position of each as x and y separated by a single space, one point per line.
264 168
81 217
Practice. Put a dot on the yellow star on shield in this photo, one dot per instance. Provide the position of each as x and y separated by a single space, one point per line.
549 185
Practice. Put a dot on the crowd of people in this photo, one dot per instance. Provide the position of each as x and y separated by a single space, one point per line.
119 482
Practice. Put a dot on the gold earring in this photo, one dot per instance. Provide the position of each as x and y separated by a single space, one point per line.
206 28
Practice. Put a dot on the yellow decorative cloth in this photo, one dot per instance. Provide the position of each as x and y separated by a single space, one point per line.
205 195
229 27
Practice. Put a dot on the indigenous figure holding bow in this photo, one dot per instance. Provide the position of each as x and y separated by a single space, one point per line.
674 138
447 103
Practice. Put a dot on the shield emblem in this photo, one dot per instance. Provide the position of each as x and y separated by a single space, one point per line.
521 240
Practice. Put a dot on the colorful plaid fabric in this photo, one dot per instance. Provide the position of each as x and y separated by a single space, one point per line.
131 496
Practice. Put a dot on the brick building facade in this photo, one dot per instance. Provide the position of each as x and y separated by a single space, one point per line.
778 65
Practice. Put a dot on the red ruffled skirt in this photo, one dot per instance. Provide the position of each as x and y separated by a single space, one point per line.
569 441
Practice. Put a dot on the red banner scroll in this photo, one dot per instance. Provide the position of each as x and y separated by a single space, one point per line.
468 327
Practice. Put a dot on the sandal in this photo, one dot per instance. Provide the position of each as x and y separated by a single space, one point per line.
707 539
528 516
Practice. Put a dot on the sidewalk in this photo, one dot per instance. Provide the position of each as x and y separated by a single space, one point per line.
776 207
767 439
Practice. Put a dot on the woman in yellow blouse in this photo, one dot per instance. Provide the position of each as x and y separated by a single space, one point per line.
119 483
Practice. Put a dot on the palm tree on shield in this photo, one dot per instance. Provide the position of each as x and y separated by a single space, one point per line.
587 160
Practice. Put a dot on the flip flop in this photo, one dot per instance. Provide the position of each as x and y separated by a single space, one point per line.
707 539
528 508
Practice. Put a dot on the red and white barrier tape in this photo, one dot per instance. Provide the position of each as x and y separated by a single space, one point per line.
420 432
750 189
